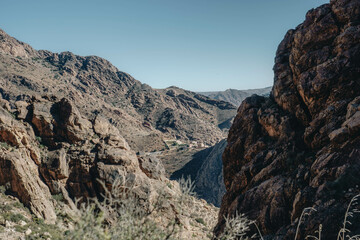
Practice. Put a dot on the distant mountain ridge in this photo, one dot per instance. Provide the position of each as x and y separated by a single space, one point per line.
205 167
235 96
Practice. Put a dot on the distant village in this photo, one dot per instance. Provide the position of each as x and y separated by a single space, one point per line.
174 144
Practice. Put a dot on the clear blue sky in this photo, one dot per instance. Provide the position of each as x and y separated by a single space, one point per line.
200 45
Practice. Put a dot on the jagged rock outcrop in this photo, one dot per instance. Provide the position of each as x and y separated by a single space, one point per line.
300 147
14 47
19 157
206 172
56 150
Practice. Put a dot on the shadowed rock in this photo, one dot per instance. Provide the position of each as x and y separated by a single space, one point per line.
300 147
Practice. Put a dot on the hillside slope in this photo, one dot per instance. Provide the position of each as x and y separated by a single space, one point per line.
300 147
143 115
70 126
51 149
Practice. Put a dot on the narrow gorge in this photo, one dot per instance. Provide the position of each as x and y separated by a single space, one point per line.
89 152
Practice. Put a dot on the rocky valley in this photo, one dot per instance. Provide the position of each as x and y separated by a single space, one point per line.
144 116
71 126
89 152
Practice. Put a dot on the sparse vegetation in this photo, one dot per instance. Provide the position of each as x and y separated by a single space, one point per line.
5 145
15 220
344 233
41 230
200 220
123 215
2 189
38 138
237 227
351 210
13 217
58 197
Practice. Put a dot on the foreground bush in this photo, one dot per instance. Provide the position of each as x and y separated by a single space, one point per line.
123 214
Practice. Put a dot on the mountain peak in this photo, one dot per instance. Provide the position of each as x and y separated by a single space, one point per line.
15 48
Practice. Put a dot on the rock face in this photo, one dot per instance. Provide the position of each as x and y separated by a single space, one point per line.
18 166
206 172
145 116
14 47
56 150
300 147
235 96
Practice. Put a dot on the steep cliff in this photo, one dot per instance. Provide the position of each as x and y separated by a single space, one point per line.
205 170
300 147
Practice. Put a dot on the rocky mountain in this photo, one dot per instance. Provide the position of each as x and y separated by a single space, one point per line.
204 167
235 96
49 148
144 116
300 147
71 126
205 170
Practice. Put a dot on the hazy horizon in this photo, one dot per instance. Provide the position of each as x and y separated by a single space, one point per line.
203 45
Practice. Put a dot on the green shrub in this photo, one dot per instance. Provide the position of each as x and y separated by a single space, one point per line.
2 187
43 231
123 214
58 197
14 217
5 145
200 220
120 215
38 138
5 208
18 204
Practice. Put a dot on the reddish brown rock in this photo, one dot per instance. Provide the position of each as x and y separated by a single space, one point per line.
21 173
18 169
69 123
301 146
